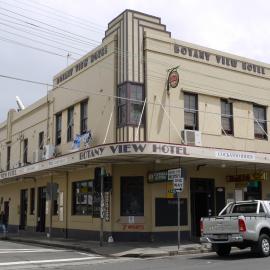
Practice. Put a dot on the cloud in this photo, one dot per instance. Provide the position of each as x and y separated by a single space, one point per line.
239 27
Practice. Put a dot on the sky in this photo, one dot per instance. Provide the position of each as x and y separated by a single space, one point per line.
235 26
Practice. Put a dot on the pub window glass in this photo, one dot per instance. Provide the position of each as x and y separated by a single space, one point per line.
260 124
132 196
135 93
82 193
191 111
226 117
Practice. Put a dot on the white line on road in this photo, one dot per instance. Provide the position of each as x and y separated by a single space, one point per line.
48 261
30 251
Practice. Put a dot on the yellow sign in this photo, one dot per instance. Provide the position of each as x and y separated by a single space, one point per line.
170 190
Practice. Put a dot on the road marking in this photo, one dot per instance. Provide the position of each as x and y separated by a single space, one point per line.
48 261
30 251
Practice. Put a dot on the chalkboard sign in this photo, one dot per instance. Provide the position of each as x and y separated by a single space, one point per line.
166 212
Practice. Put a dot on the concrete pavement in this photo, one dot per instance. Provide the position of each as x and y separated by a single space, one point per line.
118 249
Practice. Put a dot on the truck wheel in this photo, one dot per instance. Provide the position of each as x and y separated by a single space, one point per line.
263 246
222 250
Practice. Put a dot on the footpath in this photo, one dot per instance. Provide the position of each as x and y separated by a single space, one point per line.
116 249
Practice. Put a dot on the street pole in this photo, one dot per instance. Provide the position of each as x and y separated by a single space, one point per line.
178 218
101 206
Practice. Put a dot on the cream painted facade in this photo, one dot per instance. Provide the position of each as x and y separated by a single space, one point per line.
136 55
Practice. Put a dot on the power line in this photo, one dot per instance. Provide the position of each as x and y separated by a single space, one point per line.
55 27
88 28
46 31
116 97
40 36
40 42
50 30
32 47
63 14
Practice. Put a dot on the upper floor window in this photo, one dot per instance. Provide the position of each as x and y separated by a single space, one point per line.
260 124
226 117
41 140
8 157
130 104
70 124
58 128
25 151
84 116
191 111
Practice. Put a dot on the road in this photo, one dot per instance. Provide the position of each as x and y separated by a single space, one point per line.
20 256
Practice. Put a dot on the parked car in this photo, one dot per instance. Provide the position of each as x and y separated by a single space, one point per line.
240 224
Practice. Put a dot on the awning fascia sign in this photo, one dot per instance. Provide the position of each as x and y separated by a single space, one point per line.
142 148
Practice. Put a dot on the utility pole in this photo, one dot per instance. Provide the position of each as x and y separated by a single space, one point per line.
101 206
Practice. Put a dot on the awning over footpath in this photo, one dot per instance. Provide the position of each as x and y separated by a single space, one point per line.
140 152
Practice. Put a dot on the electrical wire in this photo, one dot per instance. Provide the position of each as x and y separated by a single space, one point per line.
34 48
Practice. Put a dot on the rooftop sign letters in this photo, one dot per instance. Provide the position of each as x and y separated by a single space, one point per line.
219 60
87 61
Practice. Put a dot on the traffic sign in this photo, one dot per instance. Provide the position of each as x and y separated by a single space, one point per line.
174 173
178 184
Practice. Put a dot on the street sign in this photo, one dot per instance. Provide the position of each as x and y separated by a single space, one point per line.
174 173
178 184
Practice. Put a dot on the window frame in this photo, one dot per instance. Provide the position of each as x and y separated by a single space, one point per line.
128 104
41 140
226 116
70 124
195 111
8 157
74 203
83 117
25 150
58 128
262 123
125 195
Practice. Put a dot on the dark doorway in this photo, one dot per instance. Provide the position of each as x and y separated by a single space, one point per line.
6 213
41 209
23 209
202 202
220 199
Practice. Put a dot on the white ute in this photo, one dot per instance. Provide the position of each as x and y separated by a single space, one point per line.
240 224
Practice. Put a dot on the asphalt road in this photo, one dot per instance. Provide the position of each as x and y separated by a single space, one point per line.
20 256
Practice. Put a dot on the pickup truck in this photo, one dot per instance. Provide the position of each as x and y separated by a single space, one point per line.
240 224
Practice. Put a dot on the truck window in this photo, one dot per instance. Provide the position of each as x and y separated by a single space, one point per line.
261 209
248 208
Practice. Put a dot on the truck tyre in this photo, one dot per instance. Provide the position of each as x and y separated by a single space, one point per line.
222 250
263 246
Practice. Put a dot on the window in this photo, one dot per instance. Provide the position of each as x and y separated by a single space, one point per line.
58 128
132 196
82 193
8 157
25 151
260 126
250 208
191 111
41 140
226 117
129 111
32 201
84 117
55 199
70 124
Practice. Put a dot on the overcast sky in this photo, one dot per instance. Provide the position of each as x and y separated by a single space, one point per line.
236 26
